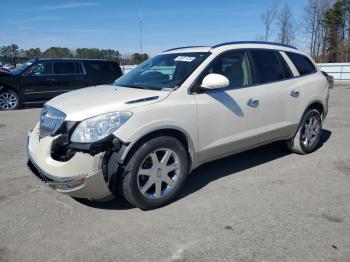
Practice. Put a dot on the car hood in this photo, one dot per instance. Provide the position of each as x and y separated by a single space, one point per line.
92 101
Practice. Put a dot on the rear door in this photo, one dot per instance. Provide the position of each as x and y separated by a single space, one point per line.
37 82
276 87
68 76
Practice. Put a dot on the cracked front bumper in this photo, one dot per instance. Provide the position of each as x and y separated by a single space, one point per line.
81 176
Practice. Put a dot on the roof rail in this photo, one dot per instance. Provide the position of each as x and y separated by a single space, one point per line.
253 42
183 47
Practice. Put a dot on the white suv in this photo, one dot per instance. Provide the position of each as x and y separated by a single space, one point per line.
186 106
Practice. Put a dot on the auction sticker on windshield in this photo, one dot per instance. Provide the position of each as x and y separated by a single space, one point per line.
184 58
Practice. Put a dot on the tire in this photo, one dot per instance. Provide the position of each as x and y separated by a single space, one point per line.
155 173
9 100
307 138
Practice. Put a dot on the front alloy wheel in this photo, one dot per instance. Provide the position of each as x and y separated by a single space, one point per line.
155 173
158 173
9 100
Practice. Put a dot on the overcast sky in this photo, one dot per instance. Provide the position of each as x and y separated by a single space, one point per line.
114 23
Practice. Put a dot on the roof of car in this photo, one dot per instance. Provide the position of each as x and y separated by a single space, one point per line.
231 44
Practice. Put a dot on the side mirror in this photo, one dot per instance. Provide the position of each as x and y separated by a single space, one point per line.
215 81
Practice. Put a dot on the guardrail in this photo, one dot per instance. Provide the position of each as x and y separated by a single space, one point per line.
340 71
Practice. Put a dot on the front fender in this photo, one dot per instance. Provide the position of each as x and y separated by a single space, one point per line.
152 127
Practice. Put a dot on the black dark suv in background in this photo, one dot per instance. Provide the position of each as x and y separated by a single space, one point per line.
39 80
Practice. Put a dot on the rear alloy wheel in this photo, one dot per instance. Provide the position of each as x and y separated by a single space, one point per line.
155 173
9 100
308 136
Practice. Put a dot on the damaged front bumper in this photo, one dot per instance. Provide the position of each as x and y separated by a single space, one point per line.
80 176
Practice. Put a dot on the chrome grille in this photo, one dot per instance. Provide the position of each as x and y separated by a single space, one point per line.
51 120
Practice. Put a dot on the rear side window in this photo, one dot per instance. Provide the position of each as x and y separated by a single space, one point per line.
114 68
302 63
64 68
79 68
267 66
102 68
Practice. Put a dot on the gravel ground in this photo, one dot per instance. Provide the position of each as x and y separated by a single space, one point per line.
261 205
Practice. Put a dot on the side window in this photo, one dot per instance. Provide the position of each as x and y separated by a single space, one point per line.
41 68
111 68
302 63
234 65
60 68
94 67
286 70
267 66
103 68
79 68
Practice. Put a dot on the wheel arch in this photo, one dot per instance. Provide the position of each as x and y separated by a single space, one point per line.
318 105
181 135
4 86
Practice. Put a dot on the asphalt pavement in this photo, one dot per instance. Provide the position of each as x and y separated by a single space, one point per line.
262 205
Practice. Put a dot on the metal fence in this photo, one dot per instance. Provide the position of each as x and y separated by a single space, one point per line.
340 71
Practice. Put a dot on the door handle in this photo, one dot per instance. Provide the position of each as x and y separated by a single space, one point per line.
253 103
295 93
50 79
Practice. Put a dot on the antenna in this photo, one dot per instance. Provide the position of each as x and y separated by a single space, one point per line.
140 24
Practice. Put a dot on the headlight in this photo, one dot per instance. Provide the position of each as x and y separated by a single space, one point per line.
97 128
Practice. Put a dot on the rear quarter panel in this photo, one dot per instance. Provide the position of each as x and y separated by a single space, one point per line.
315 89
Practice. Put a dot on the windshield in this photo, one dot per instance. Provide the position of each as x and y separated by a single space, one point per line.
163 72
22 67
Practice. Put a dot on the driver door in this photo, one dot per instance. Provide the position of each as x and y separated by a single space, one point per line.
37 81
227 117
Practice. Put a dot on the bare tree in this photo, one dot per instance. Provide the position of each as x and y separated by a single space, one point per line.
313 17
285 25
267 18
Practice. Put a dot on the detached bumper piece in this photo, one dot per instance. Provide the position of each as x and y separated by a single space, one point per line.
36 172
68 171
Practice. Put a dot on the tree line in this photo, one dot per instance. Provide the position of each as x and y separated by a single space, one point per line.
13 54
325 27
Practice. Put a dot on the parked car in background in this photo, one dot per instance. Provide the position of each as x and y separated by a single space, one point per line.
330 78
39 80
8 67
3 69
174 112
